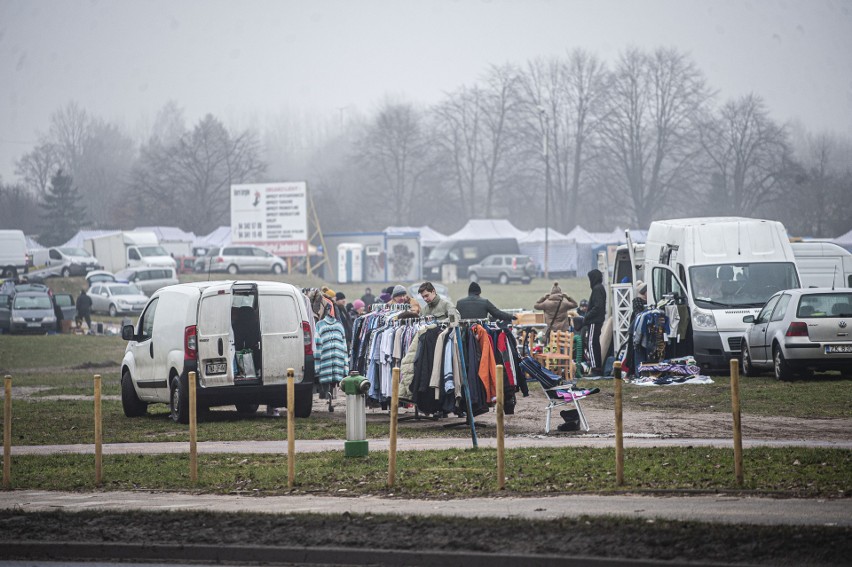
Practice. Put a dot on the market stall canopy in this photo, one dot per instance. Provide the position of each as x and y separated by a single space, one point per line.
428 236
481 229
537 235
219 237
76 241
169 233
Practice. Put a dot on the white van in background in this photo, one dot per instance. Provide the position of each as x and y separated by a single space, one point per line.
13 253
719 269
62 261
823 264
202 327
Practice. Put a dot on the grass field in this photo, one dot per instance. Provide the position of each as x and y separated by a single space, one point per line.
797 472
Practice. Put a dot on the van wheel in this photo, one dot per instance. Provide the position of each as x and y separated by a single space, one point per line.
503 279
748 367
10 272
233 270
179 400
473 277
66 272
130 402
247 409
782 367
112 311
277 269
304 400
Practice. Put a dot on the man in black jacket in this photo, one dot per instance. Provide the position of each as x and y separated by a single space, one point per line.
84 309
594 320
475 307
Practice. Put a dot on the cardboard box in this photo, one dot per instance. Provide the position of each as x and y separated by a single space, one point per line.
66 325
530 318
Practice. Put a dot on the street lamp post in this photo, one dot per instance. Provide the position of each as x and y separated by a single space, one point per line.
544 151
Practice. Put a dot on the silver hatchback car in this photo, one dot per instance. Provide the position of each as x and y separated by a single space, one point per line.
800 330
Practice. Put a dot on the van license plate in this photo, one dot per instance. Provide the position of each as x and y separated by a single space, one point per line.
33 324
838 349
215 368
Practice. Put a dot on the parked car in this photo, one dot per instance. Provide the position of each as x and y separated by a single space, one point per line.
441 289
220 329
97 276
32 312
800 330
186 264
503 268
148 279
117 298
5 312
239 259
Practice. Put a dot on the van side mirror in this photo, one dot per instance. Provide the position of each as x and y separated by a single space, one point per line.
128 333
748 319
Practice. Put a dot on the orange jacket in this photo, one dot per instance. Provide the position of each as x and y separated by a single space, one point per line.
487 364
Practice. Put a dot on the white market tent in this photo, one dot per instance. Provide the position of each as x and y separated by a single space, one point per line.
175 240
77 240
481 229
219 237
845 241
561 250
428 236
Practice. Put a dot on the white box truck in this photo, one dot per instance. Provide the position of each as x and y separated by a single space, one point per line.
13 253
823 264
720 269
127 249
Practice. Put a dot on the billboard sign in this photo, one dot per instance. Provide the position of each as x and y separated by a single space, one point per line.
273 216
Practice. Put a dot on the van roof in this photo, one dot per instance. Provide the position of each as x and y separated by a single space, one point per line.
708 220
818 249
225 284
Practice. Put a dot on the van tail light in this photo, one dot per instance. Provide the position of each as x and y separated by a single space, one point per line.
219 260
797 329
190 343
308 338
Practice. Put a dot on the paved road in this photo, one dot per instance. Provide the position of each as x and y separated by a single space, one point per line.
725 509
420 444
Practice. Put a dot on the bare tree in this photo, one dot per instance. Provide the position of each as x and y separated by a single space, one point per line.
747 151
650 136
37 167
19 208
396 148
459 122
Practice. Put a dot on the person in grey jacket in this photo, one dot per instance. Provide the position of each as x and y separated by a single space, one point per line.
476 307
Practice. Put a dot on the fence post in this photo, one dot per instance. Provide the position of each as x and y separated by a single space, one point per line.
619 434
7 434
291 427
501 449
394 422
735 409
193 430
99 456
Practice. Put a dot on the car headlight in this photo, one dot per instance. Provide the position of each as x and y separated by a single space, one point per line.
703 320
49 320
18 320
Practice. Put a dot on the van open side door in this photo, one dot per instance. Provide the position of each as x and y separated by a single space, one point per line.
215 356
665 284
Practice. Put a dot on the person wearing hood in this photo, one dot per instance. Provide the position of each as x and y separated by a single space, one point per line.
475 307
400 295
640 301
594 320
556 306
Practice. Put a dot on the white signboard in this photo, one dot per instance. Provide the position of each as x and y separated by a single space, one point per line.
273 216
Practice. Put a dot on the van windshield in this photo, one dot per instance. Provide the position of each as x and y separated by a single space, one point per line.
152 251
740 285
70 251
444 251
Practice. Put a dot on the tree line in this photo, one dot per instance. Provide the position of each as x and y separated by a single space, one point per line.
559 141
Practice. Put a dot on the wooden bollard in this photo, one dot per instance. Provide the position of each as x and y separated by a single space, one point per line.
99 456
619 426
193 430
394 425
501 449
291 427
738 432
7 434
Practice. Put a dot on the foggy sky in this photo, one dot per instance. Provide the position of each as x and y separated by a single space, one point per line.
122 60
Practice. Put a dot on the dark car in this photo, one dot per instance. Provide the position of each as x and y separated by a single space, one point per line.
32 312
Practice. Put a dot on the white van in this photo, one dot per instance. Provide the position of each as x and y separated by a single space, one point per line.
62 261
823 264
13 253
720 269
203 327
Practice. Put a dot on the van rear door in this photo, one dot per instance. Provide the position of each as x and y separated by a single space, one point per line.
215 360
281 336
